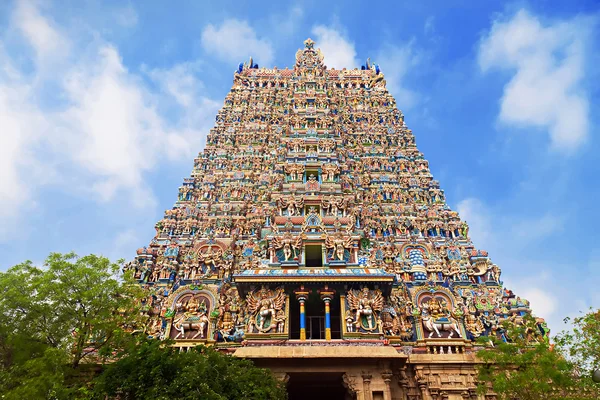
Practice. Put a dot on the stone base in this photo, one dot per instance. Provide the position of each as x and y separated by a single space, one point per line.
339 370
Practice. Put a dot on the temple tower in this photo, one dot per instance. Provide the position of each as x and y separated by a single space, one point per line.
312 238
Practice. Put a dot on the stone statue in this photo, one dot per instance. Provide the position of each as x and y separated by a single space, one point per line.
436 316
264 305
289 245
191 316
339 244
366 305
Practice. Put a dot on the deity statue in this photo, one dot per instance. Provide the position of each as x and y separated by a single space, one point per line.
288 244
474 326
366 305
210 258
263 306
330 170
339 245
292 204
295 171
191 315
436 316
312 184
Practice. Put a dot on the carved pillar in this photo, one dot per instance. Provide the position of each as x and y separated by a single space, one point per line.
327 319
472 387
387 379
326 296
282 376
351 386
368 395
302 295
422 383
403 382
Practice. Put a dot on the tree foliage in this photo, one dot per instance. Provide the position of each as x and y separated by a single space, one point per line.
527 367
154 370
582 343
53 318
75 312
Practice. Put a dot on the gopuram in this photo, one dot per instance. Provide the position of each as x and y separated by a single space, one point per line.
312 238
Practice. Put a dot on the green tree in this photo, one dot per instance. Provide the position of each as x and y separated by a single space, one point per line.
55 317
528 367
581 344
153 370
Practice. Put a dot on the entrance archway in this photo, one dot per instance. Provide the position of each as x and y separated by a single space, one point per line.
321 385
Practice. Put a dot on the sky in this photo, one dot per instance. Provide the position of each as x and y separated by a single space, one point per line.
105 104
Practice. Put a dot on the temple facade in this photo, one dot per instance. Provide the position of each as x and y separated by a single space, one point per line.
312 238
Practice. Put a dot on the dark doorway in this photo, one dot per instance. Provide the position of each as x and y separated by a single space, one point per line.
316 386
314 256
314 311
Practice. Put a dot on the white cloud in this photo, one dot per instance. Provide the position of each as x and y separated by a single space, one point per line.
105 129
547 88
543 303
19 123
338 51
552 286
530 229
395 63
474 212
111 126
124 243
127 16
179 81
287 23
235 41
539 290
429 27
41 32
196 110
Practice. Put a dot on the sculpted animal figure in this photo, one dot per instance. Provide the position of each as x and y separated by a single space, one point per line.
191 316
436 318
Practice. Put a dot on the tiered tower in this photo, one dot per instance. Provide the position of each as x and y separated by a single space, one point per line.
312 238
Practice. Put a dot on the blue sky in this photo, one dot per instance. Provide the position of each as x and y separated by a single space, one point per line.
104 104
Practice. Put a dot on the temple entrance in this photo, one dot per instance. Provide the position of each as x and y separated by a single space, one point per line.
322 385
314 309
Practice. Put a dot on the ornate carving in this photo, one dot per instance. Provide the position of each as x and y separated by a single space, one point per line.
266 310
365 306
437 316
320 156
286 248
350 383
191 316
340 247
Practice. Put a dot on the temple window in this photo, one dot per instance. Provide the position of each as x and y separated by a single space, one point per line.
313 254
313 172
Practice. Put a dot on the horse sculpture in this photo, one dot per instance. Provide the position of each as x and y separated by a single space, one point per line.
436 317
441 324
190 323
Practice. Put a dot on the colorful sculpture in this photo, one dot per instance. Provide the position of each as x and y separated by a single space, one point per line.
310 176
265 308
366 305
